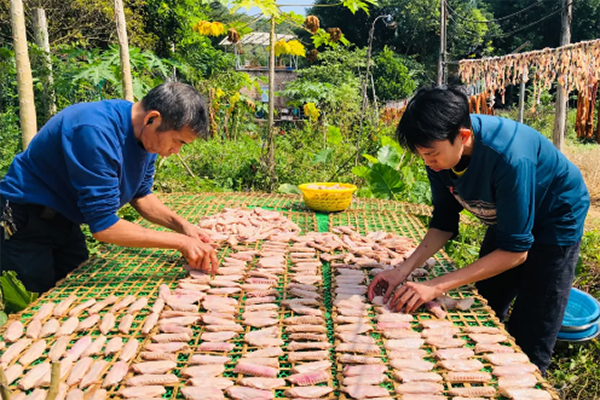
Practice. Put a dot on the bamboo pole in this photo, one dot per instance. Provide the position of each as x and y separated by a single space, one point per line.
4 390
270 156
40 31
123 51
54 381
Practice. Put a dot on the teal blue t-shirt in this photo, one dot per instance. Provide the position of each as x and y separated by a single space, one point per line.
517 182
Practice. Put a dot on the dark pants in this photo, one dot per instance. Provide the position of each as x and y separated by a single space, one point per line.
44 248
540 287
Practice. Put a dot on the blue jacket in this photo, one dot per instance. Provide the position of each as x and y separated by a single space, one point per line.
84 163
516 181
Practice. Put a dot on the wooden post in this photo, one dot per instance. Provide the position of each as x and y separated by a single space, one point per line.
522 99
27 113
124 50
40 32
442 68
558 136
270 161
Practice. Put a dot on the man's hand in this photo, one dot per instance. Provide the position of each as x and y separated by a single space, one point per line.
200 255
195 232
386 282
412 295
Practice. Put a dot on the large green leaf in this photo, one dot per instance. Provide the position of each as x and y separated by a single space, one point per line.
362 171
323 156
334 135
389 156
3 318
354 5
388 141
288 188
370 158
16 297
385 182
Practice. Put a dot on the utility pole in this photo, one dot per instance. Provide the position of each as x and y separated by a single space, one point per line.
442 66
560 119
124 51
270 156
40 31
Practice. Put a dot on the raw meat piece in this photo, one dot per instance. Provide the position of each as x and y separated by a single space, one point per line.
75 311
116 374
79 370
401 334
171 337
209 319
13 372
265 332
68 327
93 374
492 348
352 359
146 391
266 352
446 331
397 344
422 387
459 353
482 329
461 365
96 347
125 324
40 394
363 348
202 393
31 378
246 393
217 336
225 328
182 321
137 305
208 359
295 356
306 310
99 394
248 368
464 304
152 379
210 370
369 369
158 306
261 322
351 319
265 341
294 346
434 323
514 369
416 376
44 311
387 326
99 306
474 376
108 323
170 347
125 302
262 383
311 367
526 394
259 314
113 346
307 336
129 350
158 356
407 354
65 368
216 346
88 323
474 391
412 364
79 347
364 380
220 383
74 394
444 342
506 358
354 328
305 328
150 323
309 378
34 329
154 367
395 317
308 392
486 338
62 307
33 353
517 381
59 348
49 328
365 391
269 362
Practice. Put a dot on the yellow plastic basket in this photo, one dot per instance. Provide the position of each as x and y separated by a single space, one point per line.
327 199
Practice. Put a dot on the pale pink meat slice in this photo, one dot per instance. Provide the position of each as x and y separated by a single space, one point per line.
116 374
369 369
50 328
88 323
412 364
488 338
514 369
363 348
471 377
44 311
59 348
526 394
262 383
125 324
217 336
150 323
145 391
202 359
311 367
458 353
79 347
96 347
401 334
308 392
13 372
152 379
517 381
354 328
99 306
68 327
113 346
247 393
247 368
365 391
137 305
420 387
481 329
171 337
397 344
461 365
170 347
181 321
62 307
364 380
266 352
309 378
125 302
154 367
473 391
318 337
94 374
435 323
220 383
158 356
216 346
492 348
99 394
355 359
444 331
33 353
267 342
444 342
75 311
305 328
34 329
39 394
506 358
407 354
79 370
208 370
416 376
202 393
129 350
269 362
108 323
308 355
413 396
34 376
65 368
158 306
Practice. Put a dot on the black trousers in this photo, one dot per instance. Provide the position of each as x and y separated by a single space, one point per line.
540 287
44 247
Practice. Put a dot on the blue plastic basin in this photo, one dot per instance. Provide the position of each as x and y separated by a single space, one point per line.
582 309
586 334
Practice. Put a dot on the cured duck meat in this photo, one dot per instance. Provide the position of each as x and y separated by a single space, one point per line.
113 346
309 378
182 321
363 348
125 302
514 369
34 329
311 367
247 393
31 378
265 353
434 323
407 354
308 392
95 348
68 327
517 381
217 336
137 305
216 346
210 370
208 359
459 353
295 356
13 372
295 346
444 342
401 334
365 391
447 331
219 383
79 347
50 328
358 370
108 323
79 370
152 379
526 394
61 308
412 364
485 338
44 311
269 362
158 306
14 332
422 387
364 380
88 323
353 359
471 377
156 356
171 337
145 391
267 342
59 348
262 383
506 358
247 368
407 376
129 350
99 306
492 348
33 353
150 323
481 329
461 365
397 344
352 338
94 374
75 311
116 374
125 324
473 391
99 394
204 393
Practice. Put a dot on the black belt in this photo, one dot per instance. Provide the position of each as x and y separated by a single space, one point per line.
44 212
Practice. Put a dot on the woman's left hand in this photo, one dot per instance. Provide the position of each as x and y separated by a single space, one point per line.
413 295
195 232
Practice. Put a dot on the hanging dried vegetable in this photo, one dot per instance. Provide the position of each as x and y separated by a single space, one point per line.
312 24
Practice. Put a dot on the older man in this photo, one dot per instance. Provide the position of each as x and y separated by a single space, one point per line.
85 164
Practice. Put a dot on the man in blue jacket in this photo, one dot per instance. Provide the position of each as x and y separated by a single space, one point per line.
533 199
87 162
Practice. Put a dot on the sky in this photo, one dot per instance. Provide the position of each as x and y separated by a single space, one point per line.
297 10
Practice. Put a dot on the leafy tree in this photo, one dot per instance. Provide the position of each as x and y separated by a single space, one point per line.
392 78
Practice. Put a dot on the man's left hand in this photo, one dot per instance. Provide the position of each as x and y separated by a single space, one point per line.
413 295
195 232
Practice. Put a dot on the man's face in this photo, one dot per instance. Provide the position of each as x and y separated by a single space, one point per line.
168 142
442 154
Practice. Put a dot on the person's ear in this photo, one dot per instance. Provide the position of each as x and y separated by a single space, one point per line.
151 117
465 134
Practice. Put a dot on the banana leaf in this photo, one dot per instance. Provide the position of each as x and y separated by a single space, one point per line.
16 297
